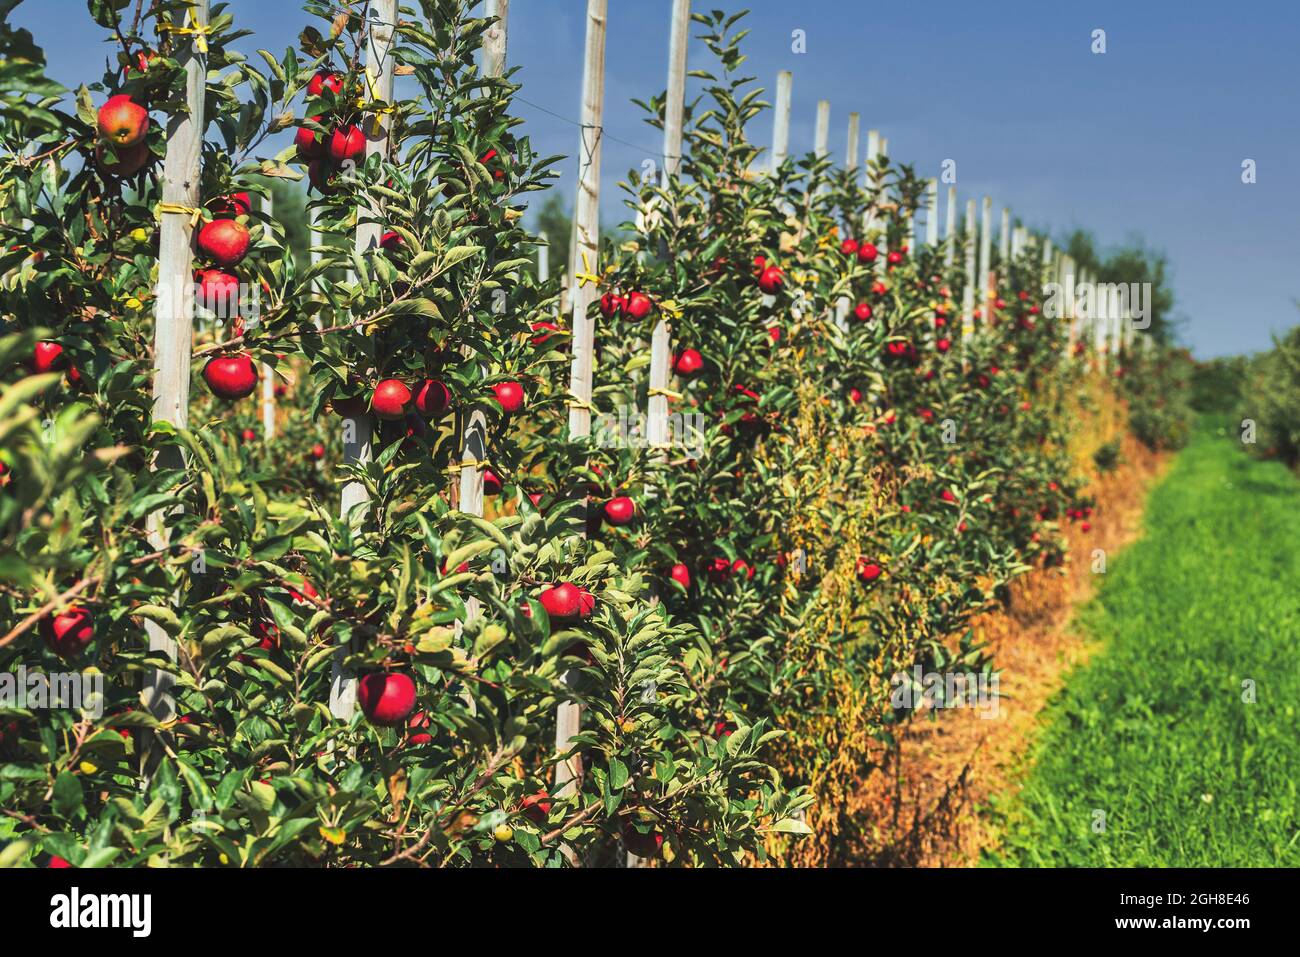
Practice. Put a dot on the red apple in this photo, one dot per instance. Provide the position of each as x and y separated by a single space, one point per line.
318 451
719 570
390 241
894 258
771 279
867 253
562 602
419 721
688 362
224 241
642 845
638 305
491 483
322 79
236 204
218 291
943 345
231 377
620 510
742 567
386 699
390 399
68 634
122 121
538 340
868 571
347 143
432 398
47 357
309 142
320 173
862 311
510 395
681 574
611 304
248 435
536 807
849 247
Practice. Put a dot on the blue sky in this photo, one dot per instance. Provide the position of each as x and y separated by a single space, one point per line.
1146 139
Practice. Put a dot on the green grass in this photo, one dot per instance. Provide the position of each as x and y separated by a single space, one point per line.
1154 731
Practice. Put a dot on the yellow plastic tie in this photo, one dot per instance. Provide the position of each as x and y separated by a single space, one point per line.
668 392
180 210
199 31
372 87
472 464
576 403
587 276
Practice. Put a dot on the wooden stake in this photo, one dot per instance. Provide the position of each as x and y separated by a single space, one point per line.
357 430
781 119
821 140
851 153
968 293
494 41
313 255
174 314
268 371
1004 240
986 257
586 236
932 213
950 228
674 109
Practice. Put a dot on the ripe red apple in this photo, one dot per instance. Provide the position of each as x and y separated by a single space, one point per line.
943 345
536 807
236 204
322 79
309 142
318 451
347 143
390 399
419 721
742 567
894 257
122 121
638 305
386 699
130 159
855 396
390 241
541 338
620 510
231 377
868 571
862 311
771 279
510 395
248 435
224 241
56 862
562 602
681 574
218 291
688 362
867 253
642 845
68 634
947 495
719 570
47 357
432 398
491 483
611 304
320 173
849 247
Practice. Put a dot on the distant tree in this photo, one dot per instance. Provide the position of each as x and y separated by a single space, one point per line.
1134 262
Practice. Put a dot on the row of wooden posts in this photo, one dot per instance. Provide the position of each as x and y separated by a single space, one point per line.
174 326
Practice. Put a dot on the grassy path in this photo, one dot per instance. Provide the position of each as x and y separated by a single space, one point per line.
1154 733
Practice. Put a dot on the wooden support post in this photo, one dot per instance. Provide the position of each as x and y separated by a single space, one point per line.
986 258
313 254
1004 242
781 119
870 181
586 237
174 314
968 292
357 430
932 213
494 40
821 139
855 133
268 371
661 346
543 263
950 228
